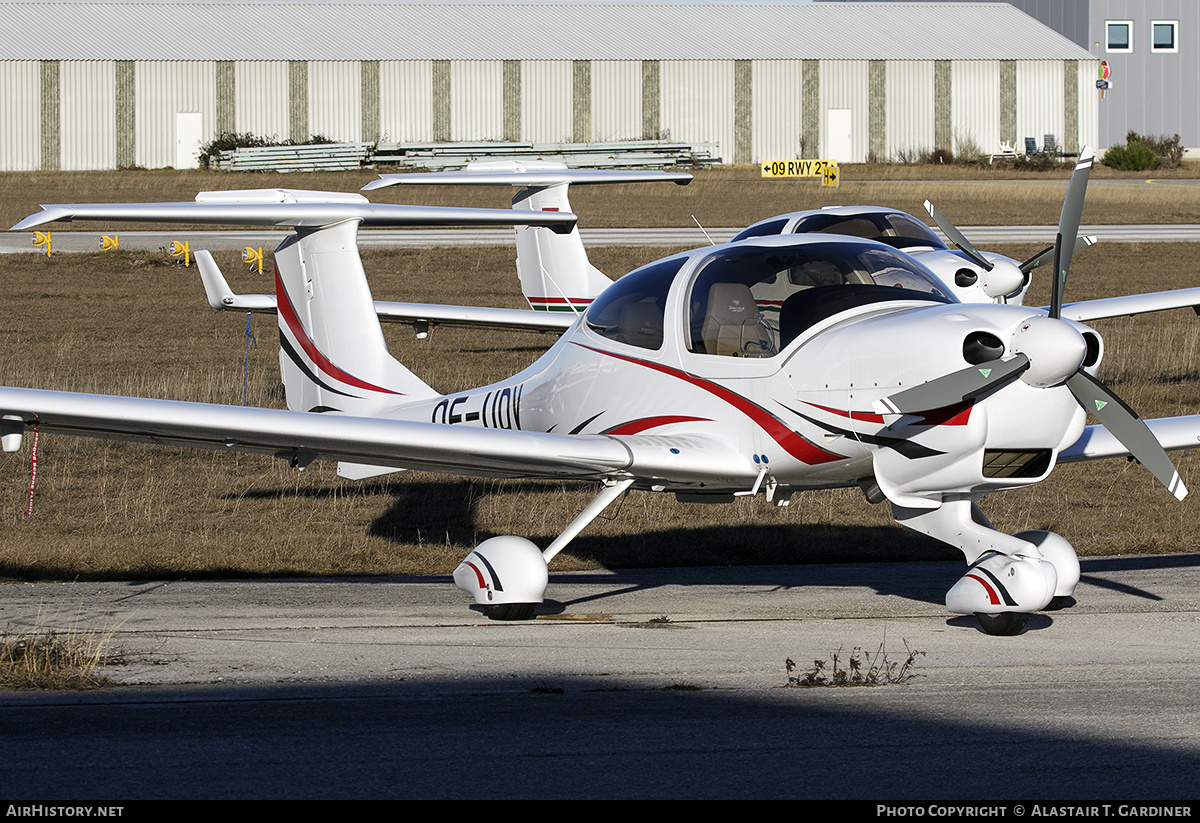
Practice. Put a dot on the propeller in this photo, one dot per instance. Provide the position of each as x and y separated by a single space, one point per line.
1068 226
958 238
956 387
1048 352
1047 254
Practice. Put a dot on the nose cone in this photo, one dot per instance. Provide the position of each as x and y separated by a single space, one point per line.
1004 279
1054 348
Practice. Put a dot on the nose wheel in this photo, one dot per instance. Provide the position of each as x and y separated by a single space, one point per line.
1002 624
510 611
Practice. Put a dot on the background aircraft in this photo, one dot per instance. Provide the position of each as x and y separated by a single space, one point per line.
873 376
556 275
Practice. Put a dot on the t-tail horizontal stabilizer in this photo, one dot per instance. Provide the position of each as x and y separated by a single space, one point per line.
556 275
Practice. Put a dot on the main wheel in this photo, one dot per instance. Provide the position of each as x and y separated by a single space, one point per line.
510 611
1003 624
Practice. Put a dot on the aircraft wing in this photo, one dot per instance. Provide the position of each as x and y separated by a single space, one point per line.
294 209
1131 304
1097 442
536 175
302 437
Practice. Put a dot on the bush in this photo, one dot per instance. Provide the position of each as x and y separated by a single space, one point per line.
1040 161
229 141
1169 152
1134 156
941 157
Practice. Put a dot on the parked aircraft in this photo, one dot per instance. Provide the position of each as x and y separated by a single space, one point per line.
675 380
556 275
973 276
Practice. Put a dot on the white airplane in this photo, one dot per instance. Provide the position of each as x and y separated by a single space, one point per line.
874 376
973 276
556 274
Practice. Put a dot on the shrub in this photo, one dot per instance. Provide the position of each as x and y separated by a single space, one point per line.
229 141
1134 156
941 157
1037 162
1169 152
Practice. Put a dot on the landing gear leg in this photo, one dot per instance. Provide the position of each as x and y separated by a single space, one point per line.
507 575
1008 576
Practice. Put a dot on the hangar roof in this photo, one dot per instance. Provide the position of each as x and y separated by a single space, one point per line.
528 31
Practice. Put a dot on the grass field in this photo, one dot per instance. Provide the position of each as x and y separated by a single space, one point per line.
136 324
730 196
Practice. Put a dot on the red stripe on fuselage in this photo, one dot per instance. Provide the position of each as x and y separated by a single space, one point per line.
790 441
288 312
993 598
646 423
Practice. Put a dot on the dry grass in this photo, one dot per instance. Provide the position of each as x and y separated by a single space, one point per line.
135 324
45 658
729 196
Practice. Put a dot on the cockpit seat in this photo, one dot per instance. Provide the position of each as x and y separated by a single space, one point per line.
733 325
641 324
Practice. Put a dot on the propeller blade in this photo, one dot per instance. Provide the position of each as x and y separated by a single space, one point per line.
957 237
1047 254
953 388
1125 425
1068 226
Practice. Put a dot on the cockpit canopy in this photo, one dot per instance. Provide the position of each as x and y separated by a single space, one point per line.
753 299
895 228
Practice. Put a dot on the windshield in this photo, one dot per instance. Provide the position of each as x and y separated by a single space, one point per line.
895 228
630 311
752 300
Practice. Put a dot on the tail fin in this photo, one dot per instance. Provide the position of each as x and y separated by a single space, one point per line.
332 354
554 269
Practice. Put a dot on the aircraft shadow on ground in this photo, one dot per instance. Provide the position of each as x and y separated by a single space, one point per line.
605 737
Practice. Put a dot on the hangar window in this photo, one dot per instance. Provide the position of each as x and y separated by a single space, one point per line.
1164 32
1119 36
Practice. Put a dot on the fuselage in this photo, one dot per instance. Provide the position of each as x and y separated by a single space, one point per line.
780 348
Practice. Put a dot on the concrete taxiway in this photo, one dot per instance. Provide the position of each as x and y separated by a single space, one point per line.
710 627
632 683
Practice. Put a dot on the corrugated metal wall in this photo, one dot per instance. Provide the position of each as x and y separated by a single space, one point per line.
777 110
546 100
617 100
405 100
335 100
1089 107
261 98
697 103
909 108
1039 100
99 115
844 86
87 93
476 100
975 103
164 89
20 115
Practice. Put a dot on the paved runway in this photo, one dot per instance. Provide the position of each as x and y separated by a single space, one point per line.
80 241
638 683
